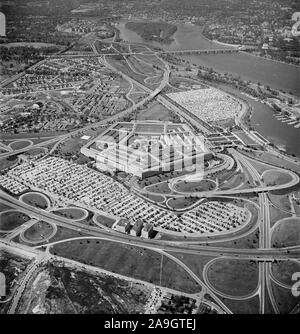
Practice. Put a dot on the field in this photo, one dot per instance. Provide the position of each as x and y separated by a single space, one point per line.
276 214
275 177
141 67
284 299
150 59
35 199
162 187
233 277
155 111
203 185
286 233
39 232
274 160
71 213
154 198
18 145
260 167
180 203
249 306
72 146
11 220
250 241
105 221
35 151
120 64
127 260
280 201
283 271
65 233
7 162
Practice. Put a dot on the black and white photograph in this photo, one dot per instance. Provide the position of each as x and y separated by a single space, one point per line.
150 160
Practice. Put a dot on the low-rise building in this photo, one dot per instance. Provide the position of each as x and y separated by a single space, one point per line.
137 228
147 231
123 225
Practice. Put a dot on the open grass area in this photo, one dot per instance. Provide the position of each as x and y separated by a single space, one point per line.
12 219
274 160
128 260
285 300
179 203
249 306
233 277
195 262
275 177
195 186
35 151
233 182
162 188
39 232
71 213
250 241
120 64
72 146
18 145
154 81
280 201
105 221
286 233
141 67
7 162
137 97
155 198
35 199
283 271
151 59
276 214
260 167
64 233
155 111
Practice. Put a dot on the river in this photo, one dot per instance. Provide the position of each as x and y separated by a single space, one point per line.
263 121
188 37
277 75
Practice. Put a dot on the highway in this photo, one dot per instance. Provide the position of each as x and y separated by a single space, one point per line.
170 246
265 237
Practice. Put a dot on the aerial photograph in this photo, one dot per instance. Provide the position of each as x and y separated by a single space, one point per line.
150 159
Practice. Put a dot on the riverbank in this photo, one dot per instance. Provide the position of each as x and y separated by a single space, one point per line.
263 120
274 60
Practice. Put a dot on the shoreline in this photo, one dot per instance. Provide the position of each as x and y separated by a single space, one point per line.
240 45
274 60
